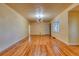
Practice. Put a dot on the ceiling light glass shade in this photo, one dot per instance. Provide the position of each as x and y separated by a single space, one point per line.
38 16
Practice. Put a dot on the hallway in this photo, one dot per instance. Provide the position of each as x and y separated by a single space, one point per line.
41 46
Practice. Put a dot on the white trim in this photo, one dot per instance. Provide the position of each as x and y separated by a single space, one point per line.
68 43
14 43
73 43
67 9
13 10
60 39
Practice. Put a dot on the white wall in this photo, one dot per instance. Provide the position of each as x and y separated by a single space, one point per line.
63 33
40 29
13 27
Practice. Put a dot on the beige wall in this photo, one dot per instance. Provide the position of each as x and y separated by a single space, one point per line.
63 33
40 29
13 27
74 27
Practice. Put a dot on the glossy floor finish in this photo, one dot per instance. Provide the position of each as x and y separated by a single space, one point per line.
41 46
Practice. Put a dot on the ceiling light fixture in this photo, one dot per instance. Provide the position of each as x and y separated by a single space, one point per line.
39 14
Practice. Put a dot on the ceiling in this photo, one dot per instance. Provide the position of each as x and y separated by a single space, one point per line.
75 9
28 10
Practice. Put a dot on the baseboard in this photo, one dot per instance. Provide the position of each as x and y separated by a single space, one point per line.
60 40
5 50
40 35
65 42
73 43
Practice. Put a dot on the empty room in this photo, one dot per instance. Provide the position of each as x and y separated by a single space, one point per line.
39 29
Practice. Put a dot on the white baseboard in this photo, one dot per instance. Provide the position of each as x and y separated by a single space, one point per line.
68 43
60 40
73 43
14 43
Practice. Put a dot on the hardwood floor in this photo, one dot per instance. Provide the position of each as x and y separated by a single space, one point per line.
41 46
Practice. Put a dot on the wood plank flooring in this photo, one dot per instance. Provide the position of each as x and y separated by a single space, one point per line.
41 46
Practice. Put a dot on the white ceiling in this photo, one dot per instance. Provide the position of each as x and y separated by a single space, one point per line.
75 9
28 10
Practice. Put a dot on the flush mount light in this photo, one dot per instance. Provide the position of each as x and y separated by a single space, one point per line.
39 14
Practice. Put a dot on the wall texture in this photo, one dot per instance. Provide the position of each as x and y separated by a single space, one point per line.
63 28
40 28
13 27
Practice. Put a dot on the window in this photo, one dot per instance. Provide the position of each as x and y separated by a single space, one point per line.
56 26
